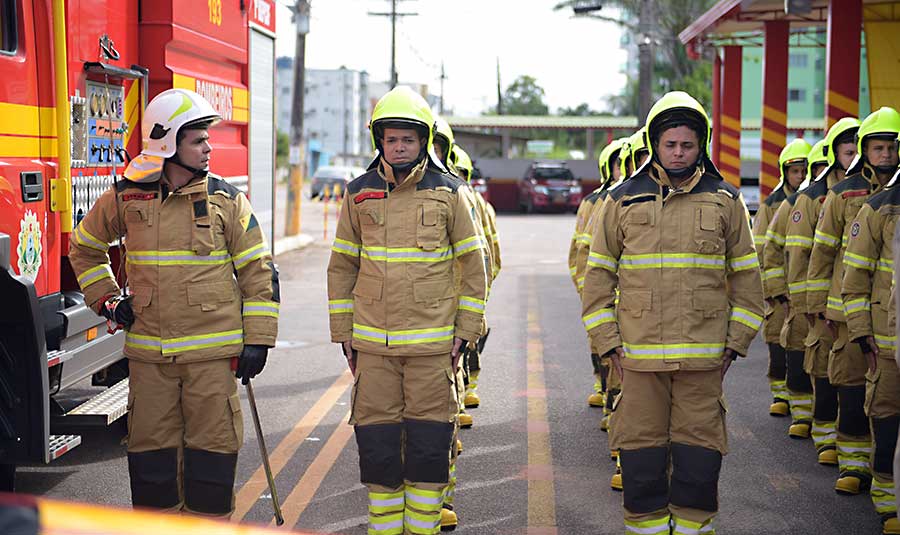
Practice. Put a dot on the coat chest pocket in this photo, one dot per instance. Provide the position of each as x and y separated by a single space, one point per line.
371 222
709 229
431 225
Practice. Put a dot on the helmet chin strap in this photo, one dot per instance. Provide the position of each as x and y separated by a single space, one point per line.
885 169
677 174
403 167
195 172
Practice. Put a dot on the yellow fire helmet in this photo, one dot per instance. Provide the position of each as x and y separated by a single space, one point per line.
444 132
795 152
638 143
677 108
462 162
402 107
605 161
881 123
844 130
164 117
816 156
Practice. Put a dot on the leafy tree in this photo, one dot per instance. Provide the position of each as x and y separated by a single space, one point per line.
524 97
672 68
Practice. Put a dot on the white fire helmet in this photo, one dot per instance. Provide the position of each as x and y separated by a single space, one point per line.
166 114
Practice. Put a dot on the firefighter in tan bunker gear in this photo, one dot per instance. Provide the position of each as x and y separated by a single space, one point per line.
866 294
838 149
578 252
846 363
775 315
399 317
443 145
689 303
794 165
461 165
202 289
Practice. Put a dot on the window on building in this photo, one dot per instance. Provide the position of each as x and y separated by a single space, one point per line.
9 39
798 60
820 63
796 95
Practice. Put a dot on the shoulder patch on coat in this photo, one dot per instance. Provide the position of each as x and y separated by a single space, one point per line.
370 180
360 197
437 181
854 229
144 196
248 222
855 193
797 216
635 185
216 185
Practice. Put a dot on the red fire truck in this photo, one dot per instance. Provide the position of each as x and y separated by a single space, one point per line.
75 76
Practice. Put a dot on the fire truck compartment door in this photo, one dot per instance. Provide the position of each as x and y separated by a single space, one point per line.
262 129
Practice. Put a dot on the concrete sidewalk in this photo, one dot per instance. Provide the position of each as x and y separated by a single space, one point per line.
310 221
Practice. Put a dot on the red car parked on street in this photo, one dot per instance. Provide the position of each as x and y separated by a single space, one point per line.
549 186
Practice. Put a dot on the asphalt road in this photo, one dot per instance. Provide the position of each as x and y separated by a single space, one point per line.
534 463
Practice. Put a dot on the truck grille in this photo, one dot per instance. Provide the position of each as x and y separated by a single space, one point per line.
85 192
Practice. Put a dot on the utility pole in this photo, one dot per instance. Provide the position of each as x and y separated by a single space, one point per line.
297 153
443 77
393 15
499 90
645 60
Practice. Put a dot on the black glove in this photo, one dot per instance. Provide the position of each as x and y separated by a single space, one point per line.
251 362
117 309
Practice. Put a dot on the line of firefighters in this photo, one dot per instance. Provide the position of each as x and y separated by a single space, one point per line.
663 257
824 252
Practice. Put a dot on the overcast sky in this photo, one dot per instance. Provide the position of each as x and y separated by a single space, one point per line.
574 60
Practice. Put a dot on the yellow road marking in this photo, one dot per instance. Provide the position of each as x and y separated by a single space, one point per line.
541 489
306 488
253 488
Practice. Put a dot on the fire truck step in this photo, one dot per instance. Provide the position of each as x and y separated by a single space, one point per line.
102 409
61 444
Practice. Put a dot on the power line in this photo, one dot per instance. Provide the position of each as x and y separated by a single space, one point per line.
393 15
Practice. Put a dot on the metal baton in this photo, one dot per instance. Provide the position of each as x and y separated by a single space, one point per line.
279 519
